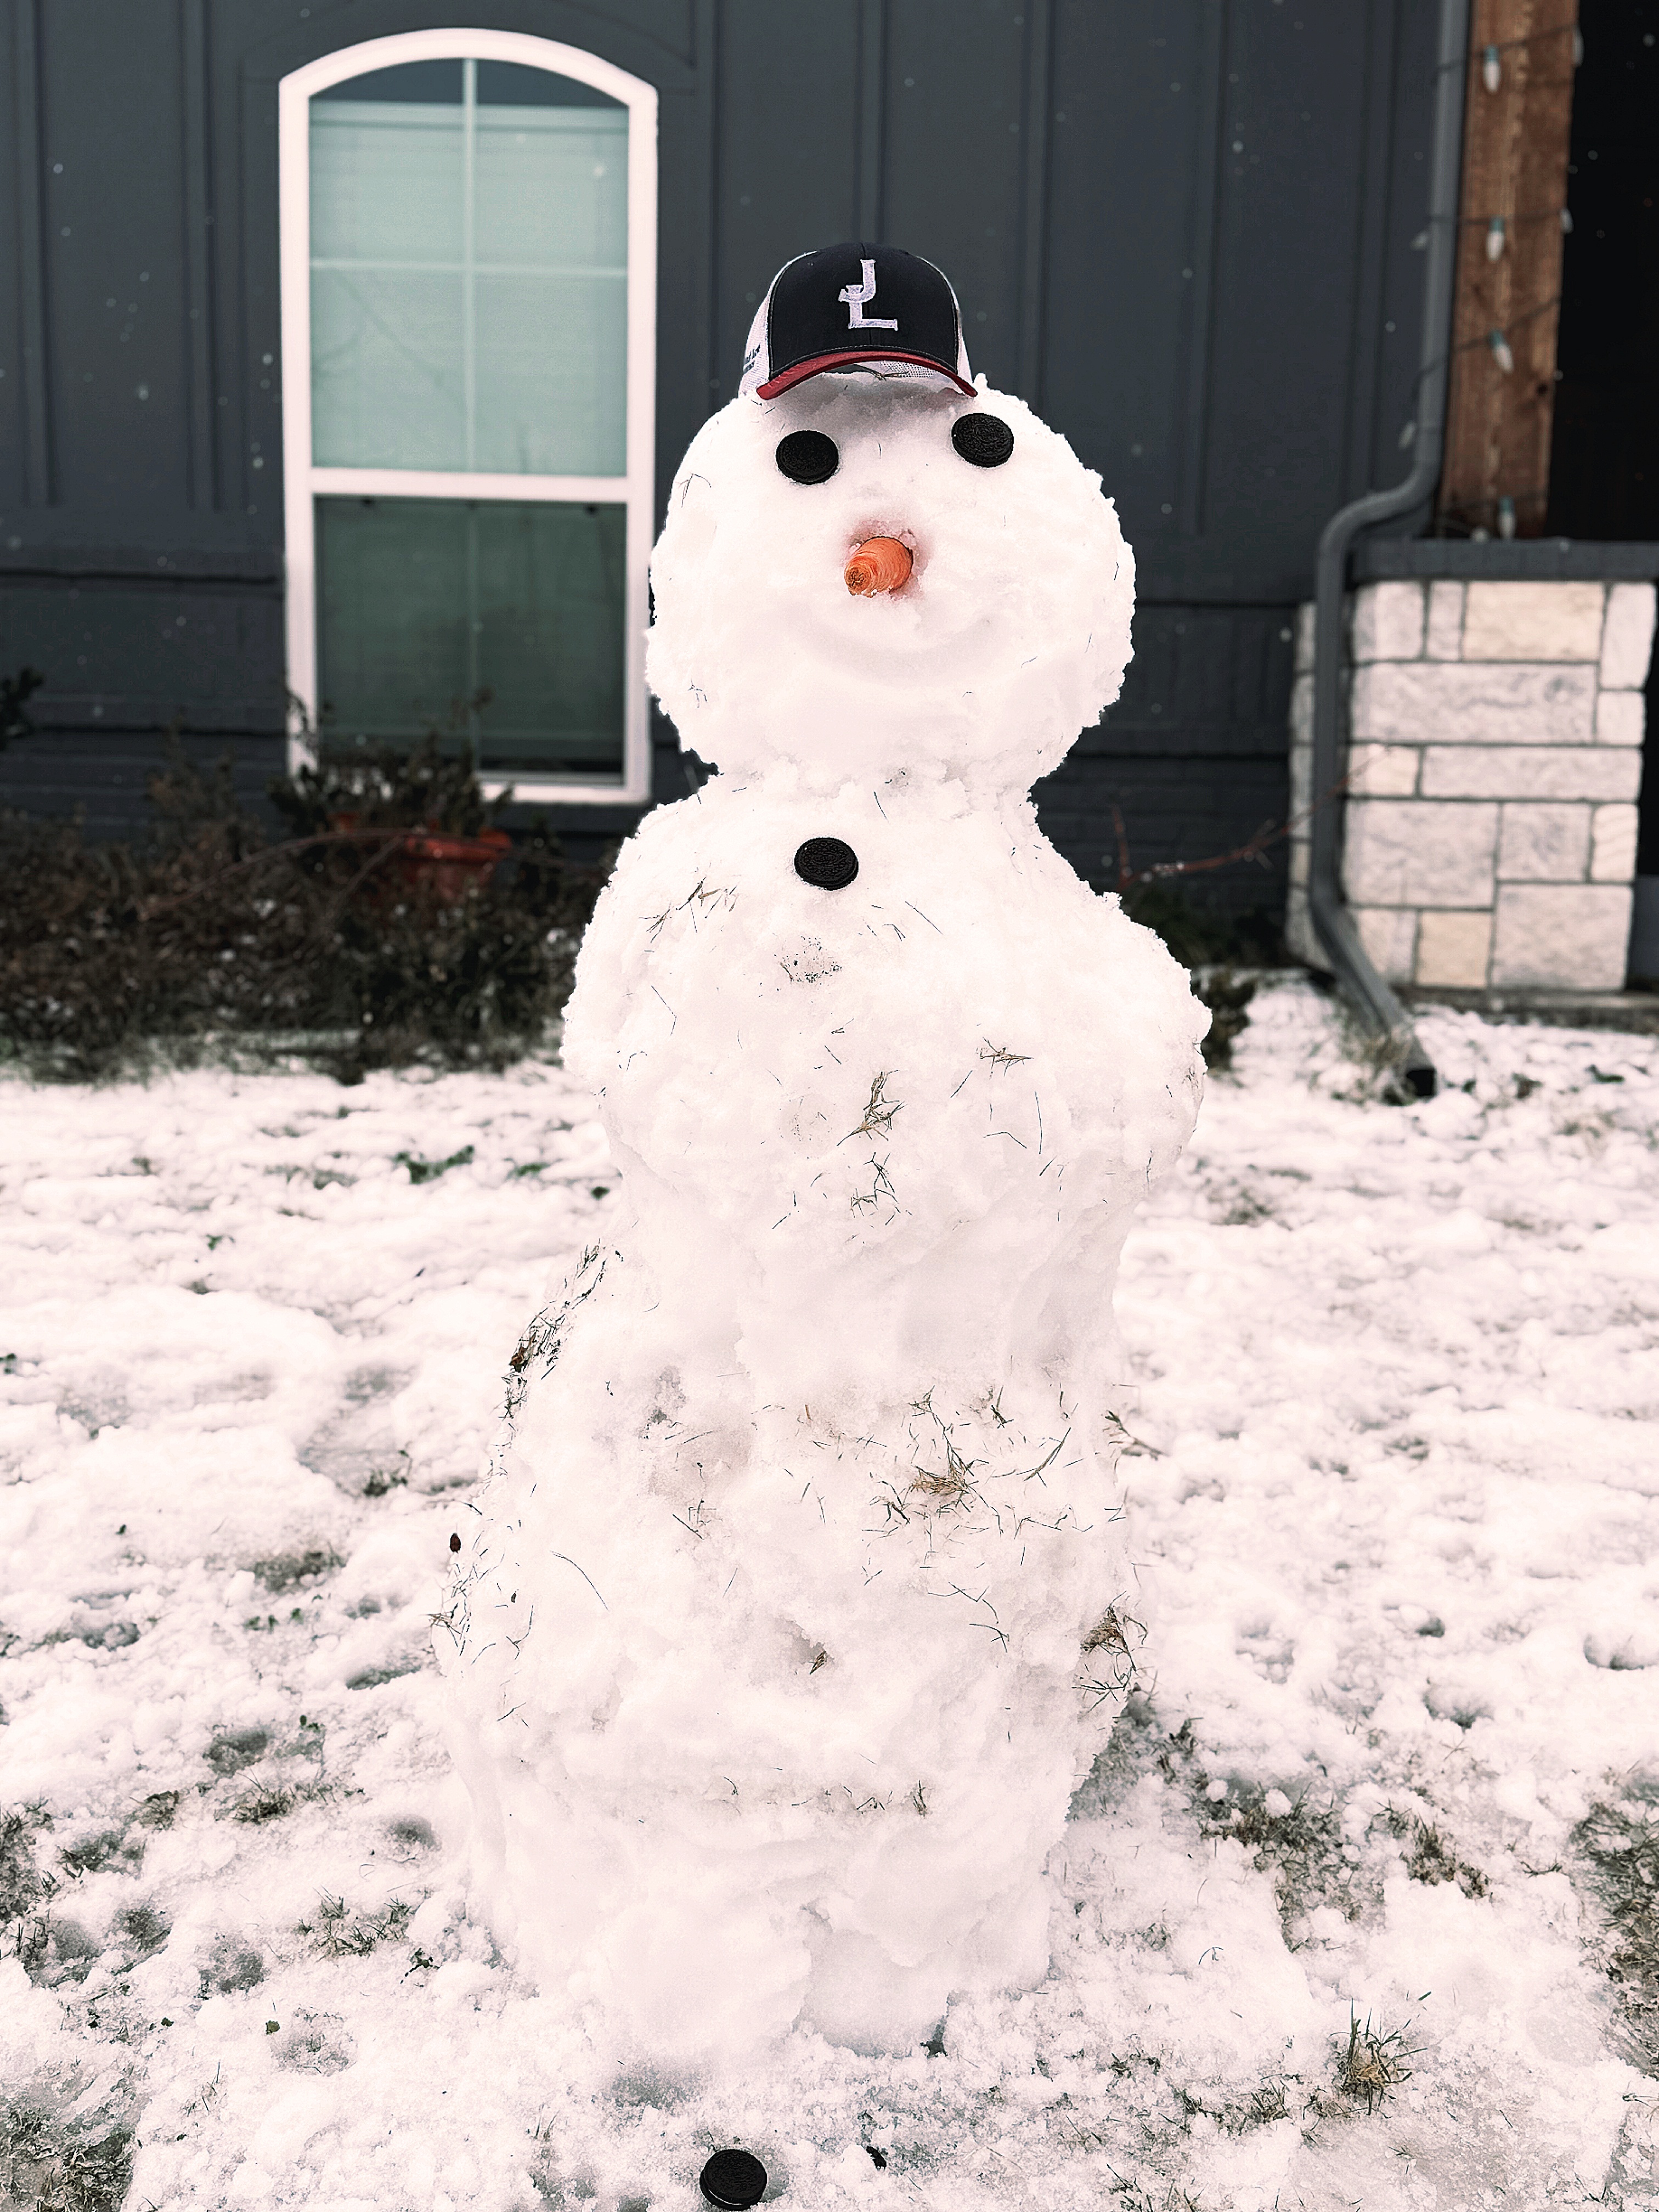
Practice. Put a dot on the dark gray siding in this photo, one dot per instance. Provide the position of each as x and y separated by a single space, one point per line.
1182 228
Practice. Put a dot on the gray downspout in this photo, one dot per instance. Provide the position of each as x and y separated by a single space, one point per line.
1332 923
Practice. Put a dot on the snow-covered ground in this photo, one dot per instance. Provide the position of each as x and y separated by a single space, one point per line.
1352 1908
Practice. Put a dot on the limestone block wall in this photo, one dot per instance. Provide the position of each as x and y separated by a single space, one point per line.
1494 736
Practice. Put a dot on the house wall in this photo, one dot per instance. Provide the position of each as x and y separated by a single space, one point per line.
1493 763
1185 231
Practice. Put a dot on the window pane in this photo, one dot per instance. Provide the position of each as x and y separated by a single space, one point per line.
424 605
468 275
386 184
388 377
549 403
422 81
550 289
510 84
392 613
388 381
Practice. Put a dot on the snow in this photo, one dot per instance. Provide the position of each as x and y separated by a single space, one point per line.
797 1605
1396 1472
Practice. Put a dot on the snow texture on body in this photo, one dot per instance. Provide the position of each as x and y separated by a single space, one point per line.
1397 1433
797 1606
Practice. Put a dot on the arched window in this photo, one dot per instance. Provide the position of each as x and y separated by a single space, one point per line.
469 263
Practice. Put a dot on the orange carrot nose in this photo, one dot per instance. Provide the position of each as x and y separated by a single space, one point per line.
880 564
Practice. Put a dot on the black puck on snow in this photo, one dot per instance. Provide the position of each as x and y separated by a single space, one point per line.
827 862
732 2180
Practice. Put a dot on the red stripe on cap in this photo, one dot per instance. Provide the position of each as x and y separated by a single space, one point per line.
787 378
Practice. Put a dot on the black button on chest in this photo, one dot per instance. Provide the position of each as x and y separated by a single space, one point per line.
826 862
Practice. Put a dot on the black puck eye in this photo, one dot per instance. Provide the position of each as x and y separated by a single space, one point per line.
826 862
808 457
984 440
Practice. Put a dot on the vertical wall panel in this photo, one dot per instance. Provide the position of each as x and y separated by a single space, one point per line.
1392 339
870 213
248 338
28 371
113 142
688 336
1371 230
1035 128
12 472
1130 214
1288 255
198 221
955 162
1221 212
689 347
789 150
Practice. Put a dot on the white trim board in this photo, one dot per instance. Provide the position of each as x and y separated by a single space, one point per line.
303 483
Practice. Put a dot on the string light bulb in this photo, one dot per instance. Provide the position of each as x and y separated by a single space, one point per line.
1491 68
1577 48
1506 517
1566 219
1500 351
1495 238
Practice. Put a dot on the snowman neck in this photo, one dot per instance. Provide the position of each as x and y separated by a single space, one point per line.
927 787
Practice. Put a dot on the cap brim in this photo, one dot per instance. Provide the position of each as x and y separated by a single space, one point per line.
820 364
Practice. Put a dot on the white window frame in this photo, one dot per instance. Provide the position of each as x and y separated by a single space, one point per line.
304 482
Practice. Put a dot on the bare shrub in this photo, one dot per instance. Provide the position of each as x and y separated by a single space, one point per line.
338 939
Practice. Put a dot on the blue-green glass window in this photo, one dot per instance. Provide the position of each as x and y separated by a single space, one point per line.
469 228
469 272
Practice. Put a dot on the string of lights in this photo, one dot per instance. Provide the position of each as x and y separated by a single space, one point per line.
1497 226
1536 38
1492 53
1471 222
1535 215
1491 57
1507 509
1494 340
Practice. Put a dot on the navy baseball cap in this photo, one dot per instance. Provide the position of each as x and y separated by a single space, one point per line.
844 305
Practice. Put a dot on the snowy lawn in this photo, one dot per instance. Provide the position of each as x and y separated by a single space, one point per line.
1358 1906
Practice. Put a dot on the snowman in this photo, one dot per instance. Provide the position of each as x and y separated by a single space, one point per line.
797 1601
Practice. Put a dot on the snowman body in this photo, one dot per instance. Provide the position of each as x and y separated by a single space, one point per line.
798 1600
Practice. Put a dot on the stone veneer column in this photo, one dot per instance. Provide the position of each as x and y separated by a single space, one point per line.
1494 758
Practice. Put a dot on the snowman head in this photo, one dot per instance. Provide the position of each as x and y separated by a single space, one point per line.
874 568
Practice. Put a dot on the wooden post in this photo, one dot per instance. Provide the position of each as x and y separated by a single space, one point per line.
1506 309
